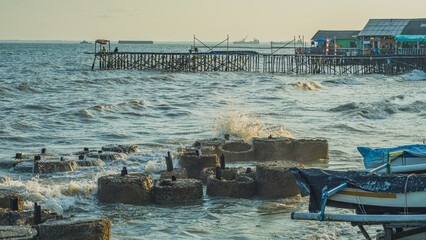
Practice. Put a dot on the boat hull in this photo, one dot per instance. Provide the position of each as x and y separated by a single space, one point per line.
378 203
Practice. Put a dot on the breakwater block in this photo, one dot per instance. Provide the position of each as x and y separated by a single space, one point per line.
106 156
97 229
48 166
178 191
231 186
17 233
25 218
227 173
273 180
24 167
135 188
299 150
121 148
179 173
195 164
90 162
237 151
11 200
9 163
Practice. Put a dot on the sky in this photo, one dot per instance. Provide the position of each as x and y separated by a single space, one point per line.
180 20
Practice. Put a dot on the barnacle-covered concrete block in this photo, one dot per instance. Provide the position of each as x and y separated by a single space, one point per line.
96 229
49 166
195 164
179 173
12 200
121 148
177 192
273 180
135 188
241 187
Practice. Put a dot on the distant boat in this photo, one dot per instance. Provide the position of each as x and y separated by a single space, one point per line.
135 42
84 42
243 41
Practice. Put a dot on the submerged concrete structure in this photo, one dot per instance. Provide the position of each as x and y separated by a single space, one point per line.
96 229
133 188
177 191
273 180
265 149
195 164
11 200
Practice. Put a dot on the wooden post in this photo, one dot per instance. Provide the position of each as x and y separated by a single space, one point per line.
169 162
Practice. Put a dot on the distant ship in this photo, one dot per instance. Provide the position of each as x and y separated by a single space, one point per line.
134 42
243 41
84 42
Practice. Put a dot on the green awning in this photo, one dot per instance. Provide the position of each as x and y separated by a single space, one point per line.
410 38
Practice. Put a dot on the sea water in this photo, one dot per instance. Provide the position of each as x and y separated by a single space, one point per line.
50 98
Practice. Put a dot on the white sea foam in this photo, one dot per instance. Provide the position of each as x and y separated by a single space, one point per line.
56 197
415 75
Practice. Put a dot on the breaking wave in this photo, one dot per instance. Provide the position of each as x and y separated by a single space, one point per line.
415 75
242 125
380 110
309 86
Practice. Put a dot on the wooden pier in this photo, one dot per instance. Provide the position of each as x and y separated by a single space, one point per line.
253 62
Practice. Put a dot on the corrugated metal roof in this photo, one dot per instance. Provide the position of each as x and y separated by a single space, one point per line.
384 27
346 34
415 27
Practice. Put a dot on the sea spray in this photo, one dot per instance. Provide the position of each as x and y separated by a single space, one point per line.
309 86
243 125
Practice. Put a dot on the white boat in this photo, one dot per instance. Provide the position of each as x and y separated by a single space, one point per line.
398 156
366 192
374 202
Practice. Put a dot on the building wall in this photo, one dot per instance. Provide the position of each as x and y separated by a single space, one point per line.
346 43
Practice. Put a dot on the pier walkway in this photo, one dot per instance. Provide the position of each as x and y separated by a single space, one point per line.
258 62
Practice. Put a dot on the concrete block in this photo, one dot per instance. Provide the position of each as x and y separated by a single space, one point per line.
121 148
177 192
133 188
195 164
179 173
90 162
49 166
227 173
242 187
25 218
17 233
273 180
7 196
106 156
97 229
24 167
299 150
237 151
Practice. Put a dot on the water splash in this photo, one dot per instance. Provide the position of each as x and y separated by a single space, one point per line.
415 75
243 125
309 86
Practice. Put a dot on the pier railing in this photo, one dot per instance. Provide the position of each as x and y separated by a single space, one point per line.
267 63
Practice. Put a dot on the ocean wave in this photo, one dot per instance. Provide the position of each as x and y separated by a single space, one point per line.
75 188
415 75
243 125
38 107
381 109
309 86
26 88
345 80
84 113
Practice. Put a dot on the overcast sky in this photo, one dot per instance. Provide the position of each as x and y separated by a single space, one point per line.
179 20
